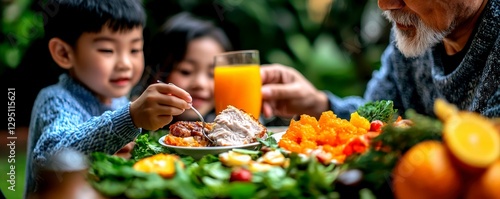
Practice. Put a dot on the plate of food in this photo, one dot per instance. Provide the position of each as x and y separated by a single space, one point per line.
233 128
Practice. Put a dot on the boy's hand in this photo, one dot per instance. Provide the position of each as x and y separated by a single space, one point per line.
156 106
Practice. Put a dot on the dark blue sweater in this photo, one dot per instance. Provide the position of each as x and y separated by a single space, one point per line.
68 116
414 83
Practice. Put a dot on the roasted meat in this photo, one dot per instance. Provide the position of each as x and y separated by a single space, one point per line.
187 129
231 127
190 131
236 127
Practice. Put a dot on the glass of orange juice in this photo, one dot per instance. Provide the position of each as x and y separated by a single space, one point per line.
237 81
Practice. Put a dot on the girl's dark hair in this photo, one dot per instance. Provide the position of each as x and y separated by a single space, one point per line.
71 18
168 47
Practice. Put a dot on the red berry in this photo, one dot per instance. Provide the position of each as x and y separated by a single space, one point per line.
241 175
376 125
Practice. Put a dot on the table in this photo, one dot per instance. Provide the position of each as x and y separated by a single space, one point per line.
65 185
71 182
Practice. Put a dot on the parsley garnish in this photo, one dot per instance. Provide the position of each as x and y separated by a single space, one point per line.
382 110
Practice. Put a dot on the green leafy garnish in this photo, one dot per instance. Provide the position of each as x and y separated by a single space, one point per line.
402 139
115 177
147 145
246 151
377 164
382 110
271 143
207 159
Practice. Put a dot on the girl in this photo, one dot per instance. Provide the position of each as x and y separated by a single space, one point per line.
182 53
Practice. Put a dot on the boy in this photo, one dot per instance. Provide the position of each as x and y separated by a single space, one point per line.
100 44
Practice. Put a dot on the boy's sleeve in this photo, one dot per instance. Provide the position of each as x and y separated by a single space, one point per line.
63 127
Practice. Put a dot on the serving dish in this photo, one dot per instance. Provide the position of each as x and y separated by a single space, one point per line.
198 152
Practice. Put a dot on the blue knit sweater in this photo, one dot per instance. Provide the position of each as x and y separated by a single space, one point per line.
68 116
415 83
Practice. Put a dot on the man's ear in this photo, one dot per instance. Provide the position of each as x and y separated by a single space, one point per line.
61 52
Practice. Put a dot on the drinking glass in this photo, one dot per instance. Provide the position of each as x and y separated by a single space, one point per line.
237 81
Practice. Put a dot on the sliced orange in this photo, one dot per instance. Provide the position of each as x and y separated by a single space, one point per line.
444 110
472 139
163 164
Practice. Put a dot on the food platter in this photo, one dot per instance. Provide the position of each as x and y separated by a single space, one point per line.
359 166
198 152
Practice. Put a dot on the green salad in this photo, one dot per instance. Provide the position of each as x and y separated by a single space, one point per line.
364 175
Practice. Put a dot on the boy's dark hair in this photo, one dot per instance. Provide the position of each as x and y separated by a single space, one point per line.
74 17
168 47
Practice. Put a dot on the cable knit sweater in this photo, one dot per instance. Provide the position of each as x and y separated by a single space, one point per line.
68 116
414 83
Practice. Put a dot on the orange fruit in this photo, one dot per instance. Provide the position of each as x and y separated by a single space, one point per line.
472 139
444 110
487 185
163 164
426 171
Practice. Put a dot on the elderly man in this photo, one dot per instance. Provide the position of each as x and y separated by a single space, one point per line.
439 49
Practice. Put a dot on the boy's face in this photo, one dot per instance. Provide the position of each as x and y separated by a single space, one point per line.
109 63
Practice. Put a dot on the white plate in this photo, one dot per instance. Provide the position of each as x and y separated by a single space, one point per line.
277 136
198 152
277 129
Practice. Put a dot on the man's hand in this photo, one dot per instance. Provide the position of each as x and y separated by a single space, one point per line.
156 106
285 93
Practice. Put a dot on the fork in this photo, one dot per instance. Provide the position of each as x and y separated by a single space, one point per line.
201 118
203 124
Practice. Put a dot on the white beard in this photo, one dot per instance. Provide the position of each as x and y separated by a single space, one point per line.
414 43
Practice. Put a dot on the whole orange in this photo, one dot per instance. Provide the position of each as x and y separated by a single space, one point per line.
487 185
426 171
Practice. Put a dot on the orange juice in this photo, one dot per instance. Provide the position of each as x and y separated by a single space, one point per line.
239 86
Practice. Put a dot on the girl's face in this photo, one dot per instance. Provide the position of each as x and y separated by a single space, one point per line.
195 74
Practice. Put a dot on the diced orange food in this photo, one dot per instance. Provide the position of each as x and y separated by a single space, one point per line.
182 141
357 145
330 133
360 122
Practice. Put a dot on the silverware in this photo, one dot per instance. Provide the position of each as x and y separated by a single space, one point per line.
203 124
201 118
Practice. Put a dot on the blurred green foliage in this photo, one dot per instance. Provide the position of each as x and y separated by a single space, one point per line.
336 44
20 26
